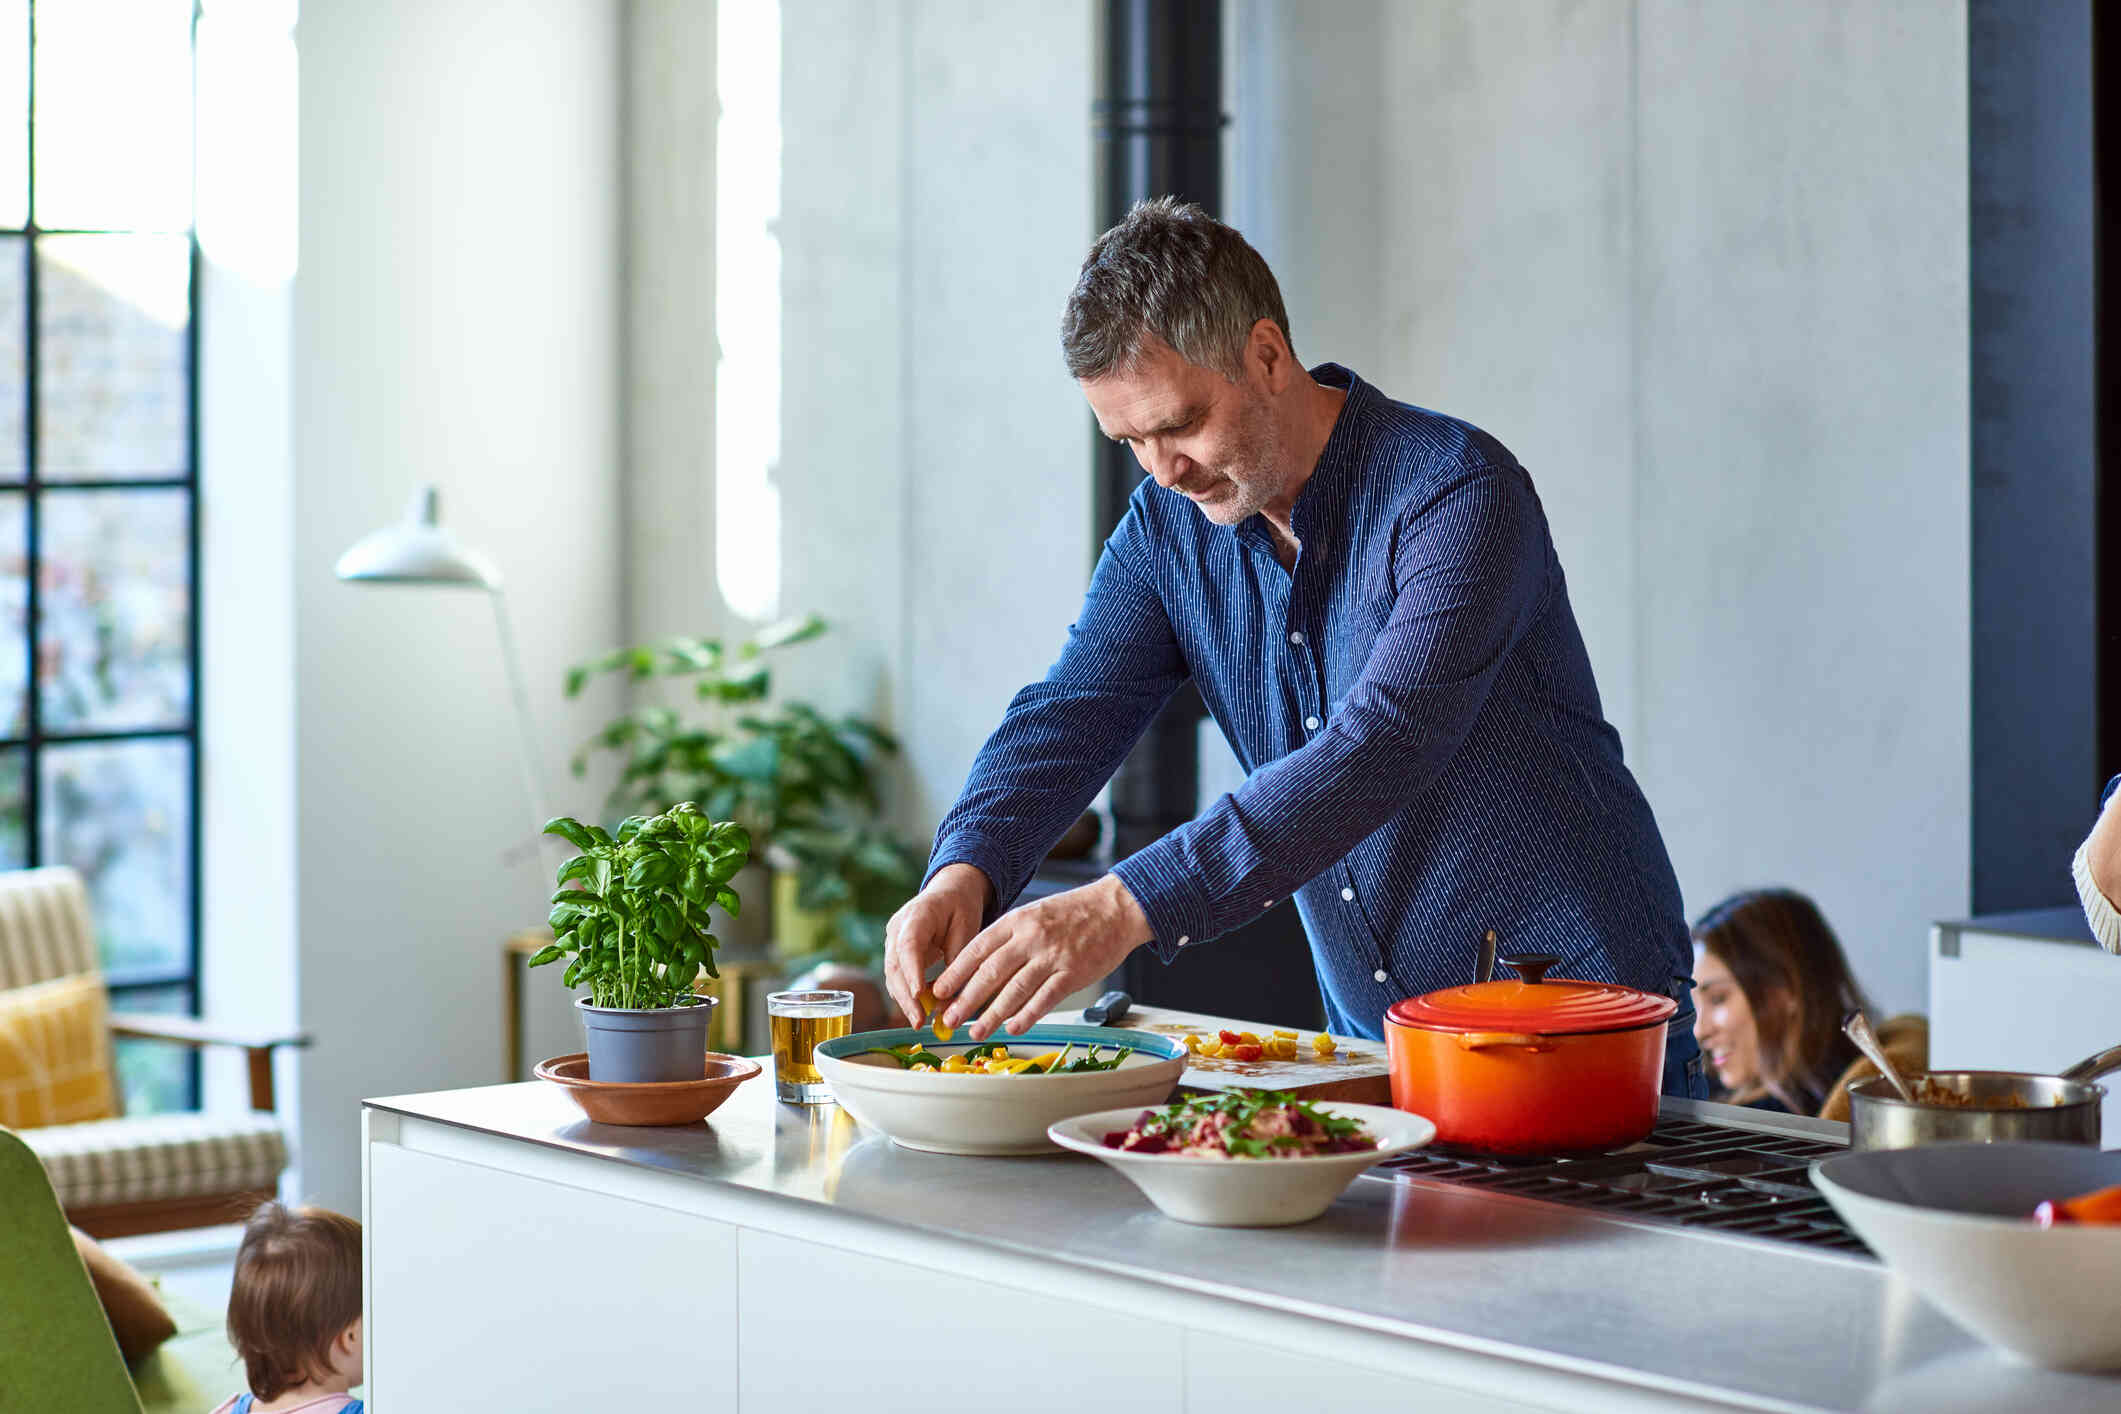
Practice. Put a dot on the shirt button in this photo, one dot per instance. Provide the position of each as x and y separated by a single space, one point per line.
1379 974
1296 637
1310 724
1183 940
1348 894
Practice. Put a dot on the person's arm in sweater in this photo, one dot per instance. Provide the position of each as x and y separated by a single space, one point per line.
2098 872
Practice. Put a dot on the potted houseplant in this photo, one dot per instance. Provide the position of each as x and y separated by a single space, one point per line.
774 767
841 886
845 880
632 919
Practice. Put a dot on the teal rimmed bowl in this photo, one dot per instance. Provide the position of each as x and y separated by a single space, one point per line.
992 1114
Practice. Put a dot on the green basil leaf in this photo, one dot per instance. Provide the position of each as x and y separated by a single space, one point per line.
569 829
552 953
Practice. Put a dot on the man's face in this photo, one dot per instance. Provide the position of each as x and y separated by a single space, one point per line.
1212 441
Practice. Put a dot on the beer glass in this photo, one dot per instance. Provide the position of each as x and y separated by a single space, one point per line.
800 1021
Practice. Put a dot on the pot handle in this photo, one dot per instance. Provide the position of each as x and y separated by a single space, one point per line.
1482 1040
2092 1067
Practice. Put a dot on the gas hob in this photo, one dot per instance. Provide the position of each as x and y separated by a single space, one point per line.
1708 1167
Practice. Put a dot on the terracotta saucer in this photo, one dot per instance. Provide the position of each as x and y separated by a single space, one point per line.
660 1102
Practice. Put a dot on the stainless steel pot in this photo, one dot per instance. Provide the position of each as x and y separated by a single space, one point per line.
2004 1106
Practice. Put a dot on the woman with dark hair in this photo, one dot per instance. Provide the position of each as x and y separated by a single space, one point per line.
1771 986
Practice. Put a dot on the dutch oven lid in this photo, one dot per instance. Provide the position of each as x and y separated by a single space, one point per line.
1533 1005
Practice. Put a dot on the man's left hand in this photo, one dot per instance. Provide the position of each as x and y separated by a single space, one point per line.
1020 967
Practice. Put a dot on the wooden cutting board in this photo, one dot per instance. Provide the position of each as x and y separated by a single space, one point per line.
1356 1072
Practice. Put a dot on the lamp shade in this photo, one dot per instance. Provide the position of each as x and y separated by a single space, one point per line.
417 550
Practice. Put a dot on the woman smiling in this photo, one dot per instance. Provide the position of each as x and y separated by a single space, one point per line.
1771 986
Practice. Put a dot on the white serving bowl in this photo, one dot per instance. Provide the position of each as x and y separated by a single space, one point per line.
992 1114
1955 1222
1222 1192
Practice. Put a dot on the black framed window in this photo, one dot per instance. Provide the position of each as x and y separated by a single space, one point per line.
99 544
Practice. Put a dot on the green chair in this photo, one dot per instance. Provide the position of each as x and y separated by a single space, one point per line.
56 1349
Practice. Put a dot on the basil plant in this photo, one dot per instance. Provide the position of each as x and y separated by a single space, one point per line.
631 914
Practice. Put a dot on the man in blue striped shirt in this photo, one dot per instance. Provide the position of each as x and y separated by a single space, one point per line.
1368 600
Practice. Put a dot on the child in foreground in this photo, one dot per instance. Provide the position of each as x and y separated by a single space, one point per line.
294 1313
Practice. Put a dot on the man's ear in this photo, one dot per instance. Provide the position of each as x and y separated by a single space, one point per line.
1267 353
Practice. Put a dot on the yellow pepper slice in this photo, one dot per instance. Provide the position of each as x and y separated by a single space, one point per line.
1323 1045
933 1010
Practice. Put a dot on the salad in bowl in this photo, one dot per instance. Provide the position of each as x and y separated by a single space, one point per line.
1244 1158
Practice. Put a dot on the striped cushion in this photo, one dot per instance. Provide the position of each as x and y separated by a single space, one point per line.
55 1053
44 926
159 1156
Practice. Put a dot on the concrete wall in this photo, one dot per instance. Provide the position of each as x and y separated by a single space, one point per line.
934 471
1803 416
455 321
1703 267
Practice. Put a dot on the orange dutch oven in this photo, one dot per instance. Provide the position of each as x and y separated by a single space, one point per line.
1528 1065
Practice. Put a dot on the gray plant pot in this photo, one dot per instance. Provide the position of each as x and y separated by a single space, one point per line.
660 1043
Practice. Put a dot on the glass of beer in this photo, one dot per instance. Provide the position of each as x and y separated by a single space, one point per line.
800 1021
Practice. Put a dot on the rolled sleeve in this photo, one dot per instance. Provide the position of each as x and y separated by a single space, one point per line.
2099 910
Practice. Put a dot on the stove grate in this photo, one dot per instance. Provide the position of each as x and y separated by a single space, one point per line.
1687 1173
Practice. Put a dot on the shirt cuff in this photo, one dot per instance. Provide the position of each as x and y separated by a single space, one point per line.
2099 910
1177 912
983 854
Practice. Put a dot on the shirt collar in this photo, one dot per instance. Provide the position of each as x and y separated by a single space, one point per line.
1324 491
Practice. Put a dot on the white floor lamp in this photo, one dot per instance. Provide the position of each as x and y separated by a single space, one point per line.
417 550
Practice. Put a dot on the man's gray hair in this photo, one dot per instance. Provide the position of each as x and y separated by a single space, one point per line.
1172 270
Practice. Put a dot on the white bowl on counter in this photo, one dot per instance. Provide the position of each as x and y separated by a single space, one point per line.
1226 1192
1954 1221
992 1114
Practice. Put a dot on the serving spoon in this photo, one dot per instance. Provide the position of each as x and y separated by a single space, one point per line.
1857 1027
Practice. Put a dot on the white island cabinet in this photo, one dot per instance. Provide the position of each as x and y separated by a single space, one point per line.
779 1259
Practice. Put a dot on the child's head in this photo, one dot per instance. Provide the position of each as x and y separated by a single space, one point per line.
294 1312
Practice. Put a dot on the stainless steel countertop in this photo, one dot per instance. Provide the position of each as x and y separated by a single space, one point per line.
1772 1326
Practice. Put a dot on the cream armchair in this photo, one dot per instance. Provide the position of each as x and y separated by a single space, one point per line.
147 1173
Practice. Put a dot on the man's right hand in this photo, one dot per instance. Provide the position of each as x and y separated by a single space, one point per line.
932 928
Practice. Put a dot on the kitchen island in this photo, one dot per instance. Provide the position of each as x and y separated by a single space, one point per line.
782 1259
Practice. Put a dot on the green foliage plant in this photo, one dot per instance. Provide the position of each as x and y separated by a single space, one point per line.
632 912
857 875
793 777
770 766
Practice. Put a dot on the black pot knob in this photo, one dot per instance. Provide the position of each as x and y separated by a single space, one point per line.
1533 967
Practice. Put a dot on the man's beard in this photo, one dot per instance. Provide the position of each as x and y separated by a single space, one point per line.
1254 470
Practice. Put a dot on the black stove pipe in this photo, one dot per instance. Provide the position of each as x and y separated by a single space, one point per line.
1158 124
